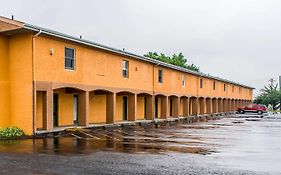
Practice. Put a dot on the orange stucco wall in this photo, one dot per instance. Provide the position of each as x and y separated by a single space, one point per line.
20 82
66 108
4 83
97 108
140 107
181 107
96 67
119 109
93 67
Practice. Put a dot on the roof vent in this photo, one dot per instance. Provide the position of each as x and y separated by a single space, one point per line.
12 17
80 37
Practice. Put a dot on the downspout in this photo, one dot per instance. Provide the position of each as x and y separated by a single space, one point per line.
154 78
33 82
153 87
197 100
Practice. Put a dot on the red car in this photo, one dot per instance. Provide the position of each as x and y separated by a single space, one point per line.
254 108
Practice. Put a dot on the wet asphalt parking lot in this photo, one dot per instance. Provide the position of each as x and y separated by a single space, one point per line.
225 146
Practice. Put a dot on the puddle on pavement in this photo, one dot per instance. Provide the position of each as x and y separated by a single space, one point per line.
253 120
164 138
229 142
198 138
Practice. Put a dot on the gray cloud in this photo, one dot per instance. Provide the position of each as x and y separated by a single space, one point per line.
237 40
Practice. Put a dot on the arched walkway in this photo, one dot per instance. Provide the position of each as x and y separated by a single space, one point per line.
126 106
202 107
232 105
208 105
184 106
214 105
65 106
144 106
220 105
102 106
193 106
225 105
228 105
239 103
161 106
174 106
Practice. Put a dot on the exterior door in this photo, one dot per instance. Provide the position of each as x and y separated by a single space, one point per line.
125 108
171 106
75 112
156 107
144 107
56 110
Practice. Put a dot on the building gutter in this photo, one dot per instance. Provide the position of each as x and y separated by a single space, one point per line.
121 52
153 81
33 81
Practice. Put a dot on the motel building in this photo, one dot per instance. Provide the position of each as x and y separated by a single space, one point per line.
50 80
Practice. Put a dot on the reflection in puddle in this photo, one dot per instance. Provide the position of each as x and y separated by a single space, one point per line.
229 142
131 139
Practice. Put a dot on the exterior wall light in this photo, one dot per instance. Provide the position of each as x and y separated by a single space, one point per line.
52 51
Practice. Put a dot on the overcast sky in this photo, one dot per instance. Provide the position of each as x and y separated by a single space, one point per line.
233 39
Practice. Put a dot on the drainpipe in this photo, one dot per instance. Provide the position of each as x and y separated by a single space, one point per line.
154 78
40 31
153 87
197 100
33 81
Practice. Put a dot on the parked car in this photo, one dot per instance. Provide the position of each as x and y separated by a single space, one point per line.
253 108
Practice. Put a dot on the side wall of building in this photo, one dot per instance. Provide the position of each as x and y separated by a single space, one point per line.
20 76
4 82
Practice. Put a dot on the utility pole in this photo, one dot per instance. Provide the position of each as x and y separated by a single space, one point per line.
280 82
280 92
271 80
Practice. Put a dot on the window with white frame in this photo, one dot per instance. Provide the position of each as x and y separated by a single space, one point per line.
125 69
183 79
69 62
201 83
160 75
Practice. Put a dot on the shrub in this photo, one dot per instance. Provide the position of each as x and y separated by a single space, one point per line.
11 132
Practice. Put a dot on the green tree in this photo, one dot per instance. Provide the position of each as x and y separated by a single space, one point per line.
175 59
193 67
269 95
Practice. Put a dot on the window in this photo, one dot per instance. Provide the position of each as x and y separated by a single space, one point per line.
125 69
69 59
250 106
183 80
160 76
214 85
224 87
201 83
